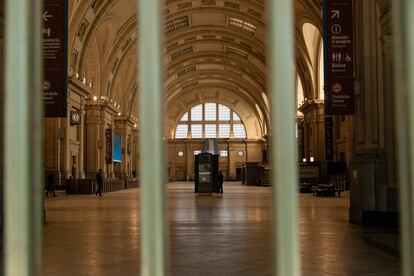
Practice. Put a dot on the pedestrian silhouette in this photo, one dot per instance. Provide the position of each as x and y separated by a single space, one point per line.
99 182
220 182
50 185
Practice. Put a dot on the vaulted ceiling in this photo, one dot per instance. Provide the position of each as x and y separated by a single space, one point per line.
215 50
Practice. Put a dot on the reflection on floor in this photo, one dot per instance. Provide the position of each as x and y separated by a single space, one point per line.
225 234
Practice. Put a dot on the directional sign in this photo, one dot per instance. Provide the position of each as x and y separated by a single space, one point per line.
335 14
339 61
46 15
55 57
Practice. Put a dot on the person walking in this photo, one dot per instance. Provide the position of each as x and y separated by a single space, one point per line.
99 182
50 185
220 182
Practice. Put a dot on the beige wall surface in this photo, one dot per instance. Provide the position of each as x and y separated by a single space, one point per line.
181 156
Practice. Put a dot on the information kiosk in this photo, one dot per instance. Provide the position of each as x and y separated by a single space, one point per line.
206 173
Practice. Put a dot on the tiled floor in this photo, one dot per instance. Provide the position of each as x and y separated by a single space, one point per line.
221 235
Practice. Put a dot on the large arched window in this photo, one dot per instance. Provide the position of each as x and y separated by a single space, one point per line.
210 120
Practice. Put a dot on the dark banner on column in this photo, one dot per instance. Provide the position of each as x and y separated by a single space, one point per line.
108 145
328 138
55 57
339 57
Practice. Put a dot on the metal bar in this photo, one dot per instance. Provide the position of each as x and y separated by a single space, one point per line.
404 97
153 225
281 76
23 138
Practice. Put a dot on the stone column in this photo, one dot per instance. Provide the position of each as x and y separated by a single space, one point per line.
370 197
124 128
230 160
1 108
189 159
300 138
389 99
53 134
344 138
119 129
314 126
81 165
99 117
135 151
231 152
94 141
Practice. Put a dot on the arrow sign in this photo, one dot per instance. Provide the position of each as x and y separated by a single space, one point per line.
47 31
335 13
46 16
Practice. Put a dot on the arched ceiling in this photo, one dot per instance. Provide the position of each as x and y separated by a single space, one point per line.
215 46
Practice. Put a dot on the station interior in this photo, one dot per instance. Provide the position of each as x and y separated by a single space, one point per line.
217 107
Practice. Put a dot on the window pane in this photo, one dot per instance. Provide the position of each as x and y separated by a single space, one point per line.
181 132
210 131
223 153
197 113
210 112
196 131
197 152
185 117
224 130
236 117
206 126
224 113
239 131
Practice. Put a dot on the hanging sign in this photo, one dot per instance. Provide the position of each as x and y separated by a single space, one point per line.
339 57
54 86
108 145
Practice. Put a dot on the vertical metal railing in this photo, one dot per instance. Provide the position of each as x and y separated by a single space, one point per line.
404 98
23 161
23 138
153 226
281 71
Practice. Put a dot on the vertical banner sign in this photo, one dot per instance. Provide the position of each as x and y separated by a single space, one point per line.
117 149
55 57
108 146
328 138
339 57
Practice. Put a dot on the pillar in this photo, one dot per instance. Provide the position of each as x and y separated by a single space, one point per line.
314 129
373 196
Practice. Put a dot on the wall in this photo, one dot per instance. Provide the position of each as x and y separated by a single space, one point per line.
181 168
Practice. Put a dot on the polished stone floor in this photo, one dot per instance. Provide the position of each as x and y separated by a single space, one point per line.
225 234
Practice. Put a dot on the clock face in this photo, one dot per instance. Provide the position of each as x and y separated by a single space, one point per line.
180 153
75 118
240 153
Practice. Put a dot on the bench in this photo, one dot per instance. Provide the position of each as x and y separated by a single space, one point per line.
305 187
338 191
326 190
